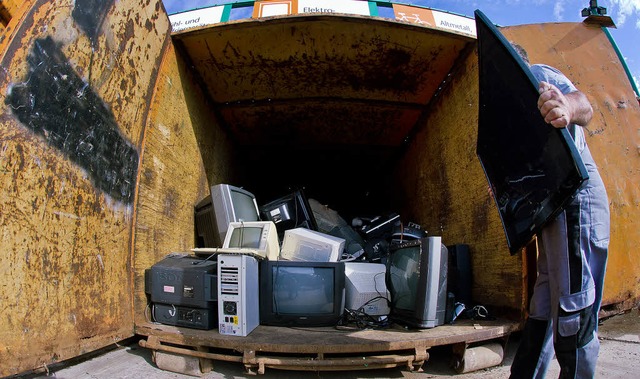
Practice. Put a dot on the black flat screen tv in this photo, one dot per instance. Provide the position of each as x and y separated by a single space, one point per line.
298 293
533 168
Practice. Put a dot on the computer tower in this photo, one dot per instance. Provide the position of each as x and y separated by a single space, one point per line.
238 294
460 277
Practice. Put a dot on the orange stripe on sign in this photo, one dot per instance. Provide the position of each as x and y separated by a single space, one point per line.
414 15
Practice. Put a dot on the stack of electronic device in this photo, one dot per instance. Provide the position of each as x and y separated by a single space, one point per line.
241 276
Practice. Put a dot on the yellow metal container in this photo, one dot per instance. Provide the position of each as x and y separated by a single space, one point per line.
113 129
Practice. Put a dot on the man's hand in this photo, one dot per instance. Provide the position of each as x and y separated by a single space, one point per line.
560 110
554 105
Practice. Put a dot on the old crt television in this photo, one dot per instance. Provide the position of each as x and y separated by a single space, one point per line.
297 293
289 212
417 280
533 168
225 205
366 288
259 237
302 244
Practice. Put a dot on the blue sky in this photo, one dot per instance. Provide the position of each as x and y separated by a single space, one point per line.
625 14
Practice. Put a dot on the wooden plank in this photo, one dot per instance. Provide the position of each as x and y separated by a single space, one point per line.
321 349
329 340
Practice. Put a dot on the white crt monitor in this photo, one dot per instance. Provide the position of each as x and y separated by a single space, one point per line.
300 244
257 237
366 288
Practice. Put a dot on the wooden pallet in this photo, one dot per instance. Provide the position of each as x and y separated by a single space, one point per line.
322 349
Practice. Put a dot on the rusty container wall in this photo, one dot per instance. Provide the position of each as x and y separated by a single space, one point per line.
444 188
185 151
75 87
584 53
8 8
86 209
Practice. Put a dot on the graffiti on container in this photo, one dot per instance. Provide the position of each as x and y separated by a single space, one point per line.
57 104
89 16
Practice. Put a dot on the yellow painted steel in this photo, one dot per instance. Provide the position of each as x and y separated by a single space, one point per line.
445 190
265 77
8 9
76 239
65 254
185 152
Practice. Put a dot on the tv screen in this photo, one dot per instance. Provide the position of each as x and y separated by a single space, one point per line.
244 205
246 237
297 293
533 168
417 281
213 214
258 238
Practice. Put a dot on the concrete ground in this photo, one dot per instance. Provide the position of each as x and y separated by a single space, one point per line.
619 358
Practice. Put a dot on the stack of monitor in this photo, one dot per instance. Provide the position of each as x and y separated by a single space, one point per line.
304 282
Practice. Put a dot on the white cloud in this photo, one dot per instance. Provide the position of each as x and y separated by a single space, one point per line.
558 10
624 9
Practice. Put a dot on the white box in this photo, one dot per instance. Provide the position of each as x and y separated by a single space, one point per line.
302 244
366 288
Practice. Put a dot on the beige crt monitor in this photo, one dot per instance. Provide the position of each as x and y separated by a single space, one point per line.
254 235
256 238
302 244
366 289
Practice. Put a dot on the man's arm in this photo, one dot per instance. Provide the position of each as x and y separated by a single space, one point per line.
560 110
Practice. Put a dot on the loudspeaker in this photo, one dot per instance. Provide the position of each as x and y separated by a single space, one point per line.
459 281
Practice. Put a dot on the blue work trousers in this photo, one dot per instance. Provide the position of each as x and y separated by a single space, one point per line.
567 295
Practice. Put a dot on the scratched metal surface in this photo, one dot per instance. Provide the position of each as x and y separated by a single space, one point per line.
97 100
75 88
186 151
319 80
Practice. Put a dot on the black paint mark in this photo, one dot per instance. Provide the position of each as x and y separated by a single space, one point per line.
89 15
56 103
